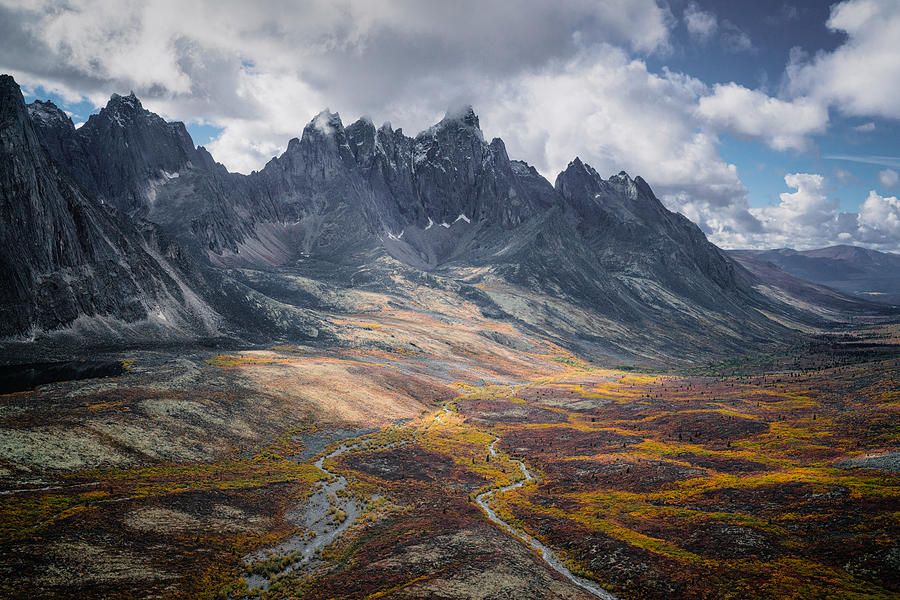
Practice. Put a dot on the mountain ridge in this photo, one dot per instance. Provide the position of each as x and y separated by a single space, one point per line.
861 272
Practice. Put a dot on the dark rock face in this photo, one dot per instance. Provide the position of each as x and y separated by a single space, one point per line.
132 159
126 146
458 173
629 228
316 190
63 255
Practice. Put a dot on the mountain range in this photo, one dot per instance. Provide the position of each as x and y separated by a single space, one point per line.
853 270
123 232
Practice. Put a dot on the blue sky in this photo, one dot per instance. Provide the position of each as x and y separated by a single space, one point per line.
756 120
774 28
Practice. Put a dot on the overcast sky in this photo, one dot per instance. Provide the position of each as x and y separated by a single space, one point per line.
769 123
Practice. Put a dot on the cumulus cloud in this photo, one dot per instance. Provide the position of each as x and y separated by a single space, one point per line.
807 218
879 220
888 178
783 125
701 25
598 107
862 76
554 80
865 127
802 214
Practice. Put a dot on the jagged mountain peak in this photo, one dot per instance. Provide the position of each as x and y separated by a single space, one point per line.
461 119
120 152
130 99
364 123
49 114
465 115
122 112
12 105
16 133
578 168
64 256
624 185
581 179
9 89
580 176
325 128
124 104
326 123
445 200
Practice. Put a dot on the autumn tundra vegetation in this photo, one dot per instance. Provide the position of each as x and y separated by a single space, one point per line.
196 476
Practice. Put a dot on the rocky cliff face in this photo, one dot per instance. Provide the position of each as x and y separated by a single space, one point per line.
67 259
117 153
628 228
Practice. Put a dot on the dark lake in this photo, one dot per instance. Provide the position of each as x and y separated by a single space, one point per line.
18 378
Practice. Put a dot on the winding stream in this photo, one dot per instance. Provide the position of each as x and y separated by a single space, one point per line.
315 516
550 556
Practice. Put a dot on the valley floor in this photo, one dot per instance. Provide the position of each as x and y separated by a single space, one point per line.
363 472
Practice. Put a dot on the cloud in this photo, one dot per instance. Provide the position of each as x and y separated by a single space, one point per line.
865 127
807 218
217 60
845 176
884 161
701 25
879 220
735 40
785 14
862 76
803 212
783 125
888 178
598 107
554 80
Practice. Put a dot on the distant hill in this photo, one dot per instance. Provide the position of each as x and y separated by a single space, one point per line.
858 271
